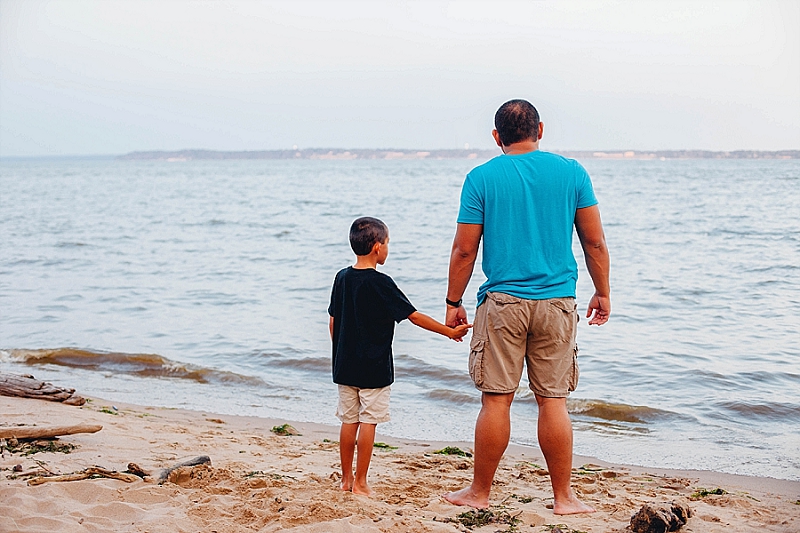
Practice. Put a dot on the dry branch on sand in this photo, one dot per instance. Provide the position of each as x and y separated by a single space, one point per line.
26 386
46 432
91 472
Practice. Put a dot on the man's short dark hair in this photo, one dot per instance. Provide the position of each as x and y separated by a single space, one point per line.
515 121
365 232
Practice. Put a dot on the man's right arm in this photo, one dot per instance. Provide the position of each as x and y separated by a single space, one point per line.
593 241
462 263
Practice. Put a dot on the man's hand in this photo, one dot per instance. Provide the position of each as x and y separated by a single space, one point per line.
459 331
600 306
455 316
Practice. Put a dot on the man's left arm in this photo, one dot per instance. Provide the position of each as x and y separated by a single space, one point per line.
593 241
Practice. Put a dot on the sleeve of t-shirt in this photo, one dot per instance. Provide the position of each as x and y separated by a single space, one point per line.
586 197
333 294
471 210
397 304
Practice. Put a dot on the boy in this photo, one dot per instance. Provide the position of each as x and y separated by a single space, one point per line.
365 304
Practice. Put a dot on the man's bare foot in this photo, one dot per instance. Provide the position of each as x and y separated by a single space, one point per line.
571 506
467 498
362 489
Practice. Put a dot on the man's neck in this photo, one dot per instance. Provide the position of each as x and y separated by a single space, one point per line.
522 147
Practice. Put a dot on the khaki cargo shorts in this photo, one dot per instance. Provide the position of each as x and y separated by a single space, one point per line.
370 406
540 334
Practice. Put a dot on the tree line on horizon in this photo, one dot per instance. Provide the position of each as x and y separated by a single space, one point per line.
466 153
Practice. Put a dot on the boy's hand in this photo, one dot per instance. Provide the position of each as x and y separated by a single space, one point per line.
457 333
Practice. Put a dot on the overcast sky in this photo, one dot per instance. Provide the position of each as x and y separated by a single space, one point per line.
109 77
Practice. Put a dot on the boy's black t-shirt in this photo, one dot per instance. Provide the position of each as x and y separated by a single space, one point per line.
365 304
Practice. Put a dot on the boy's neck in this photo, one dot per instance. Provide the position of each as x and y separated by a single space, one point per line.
364 262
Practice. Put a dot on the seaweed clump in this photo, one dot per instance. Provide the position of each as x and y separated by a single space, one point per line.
453 450
702 493
483 517
285 430
38 446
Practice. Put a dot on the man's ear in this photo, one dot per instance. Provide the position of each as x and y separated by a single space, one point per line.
497 138
541 129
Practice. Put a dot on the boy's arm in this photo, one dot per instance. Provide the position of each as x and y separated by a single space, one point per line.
425 322
330 327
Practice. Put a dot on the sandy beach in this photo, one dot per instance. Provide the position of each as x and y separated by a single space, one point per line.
258 480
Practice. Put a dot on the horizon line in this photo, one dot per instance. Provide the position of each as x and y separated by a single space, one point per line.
595 153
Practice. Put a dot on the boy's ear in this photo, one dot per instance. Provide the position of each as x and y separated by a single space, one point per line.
376 247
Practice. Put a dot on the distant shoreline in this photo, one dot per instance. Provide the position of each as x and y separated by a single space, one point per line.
390 154
345 154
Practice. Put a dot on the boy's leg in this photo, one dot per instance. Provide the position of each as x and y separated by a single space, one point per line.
347 448
366 441
374 409
347 412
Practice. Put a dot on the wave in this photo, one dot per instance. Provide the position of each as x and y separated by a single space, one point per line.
450 396
142 365
617 412
613 412
409 367
312 364
763 410
406 368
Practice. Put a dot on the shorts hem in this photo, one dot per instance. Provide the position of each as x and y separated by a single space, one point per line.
368 421
496 391
375 421
548 394
346 421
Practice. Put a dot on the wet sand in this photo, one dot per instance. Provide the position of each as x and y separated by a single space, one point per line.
260 481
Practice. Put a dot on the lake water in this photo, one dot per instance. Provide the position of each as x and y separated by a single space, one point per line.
205 285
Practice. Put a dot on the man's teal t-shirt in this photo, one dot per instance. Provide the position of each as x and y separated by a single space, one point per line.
526 204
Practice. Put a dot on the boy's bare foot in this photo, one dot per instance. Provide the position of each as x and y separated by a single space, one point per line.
347 484
466 497
571 506
362 489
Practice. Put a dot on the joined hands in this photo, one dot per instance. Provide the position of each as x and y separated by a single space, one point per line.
456 318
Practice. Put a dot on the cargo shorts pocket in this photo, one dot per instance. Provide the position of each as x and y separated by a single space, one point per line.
565 318
477 351
575 374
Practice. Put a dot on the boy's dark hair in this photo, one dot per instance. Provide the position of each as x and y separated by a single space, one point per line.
515 121
365 232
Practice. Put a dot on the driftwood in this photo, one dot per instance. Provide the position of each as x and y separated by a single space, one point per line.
86 474
26 386
661 517
133 468
36 432
34 472
203 459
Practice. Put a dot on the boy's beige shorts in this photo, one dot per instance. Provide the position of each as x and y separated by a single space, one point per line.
540 334
370 406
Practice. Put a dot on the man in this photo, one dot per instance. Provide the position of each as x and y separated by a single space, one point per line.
524 204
